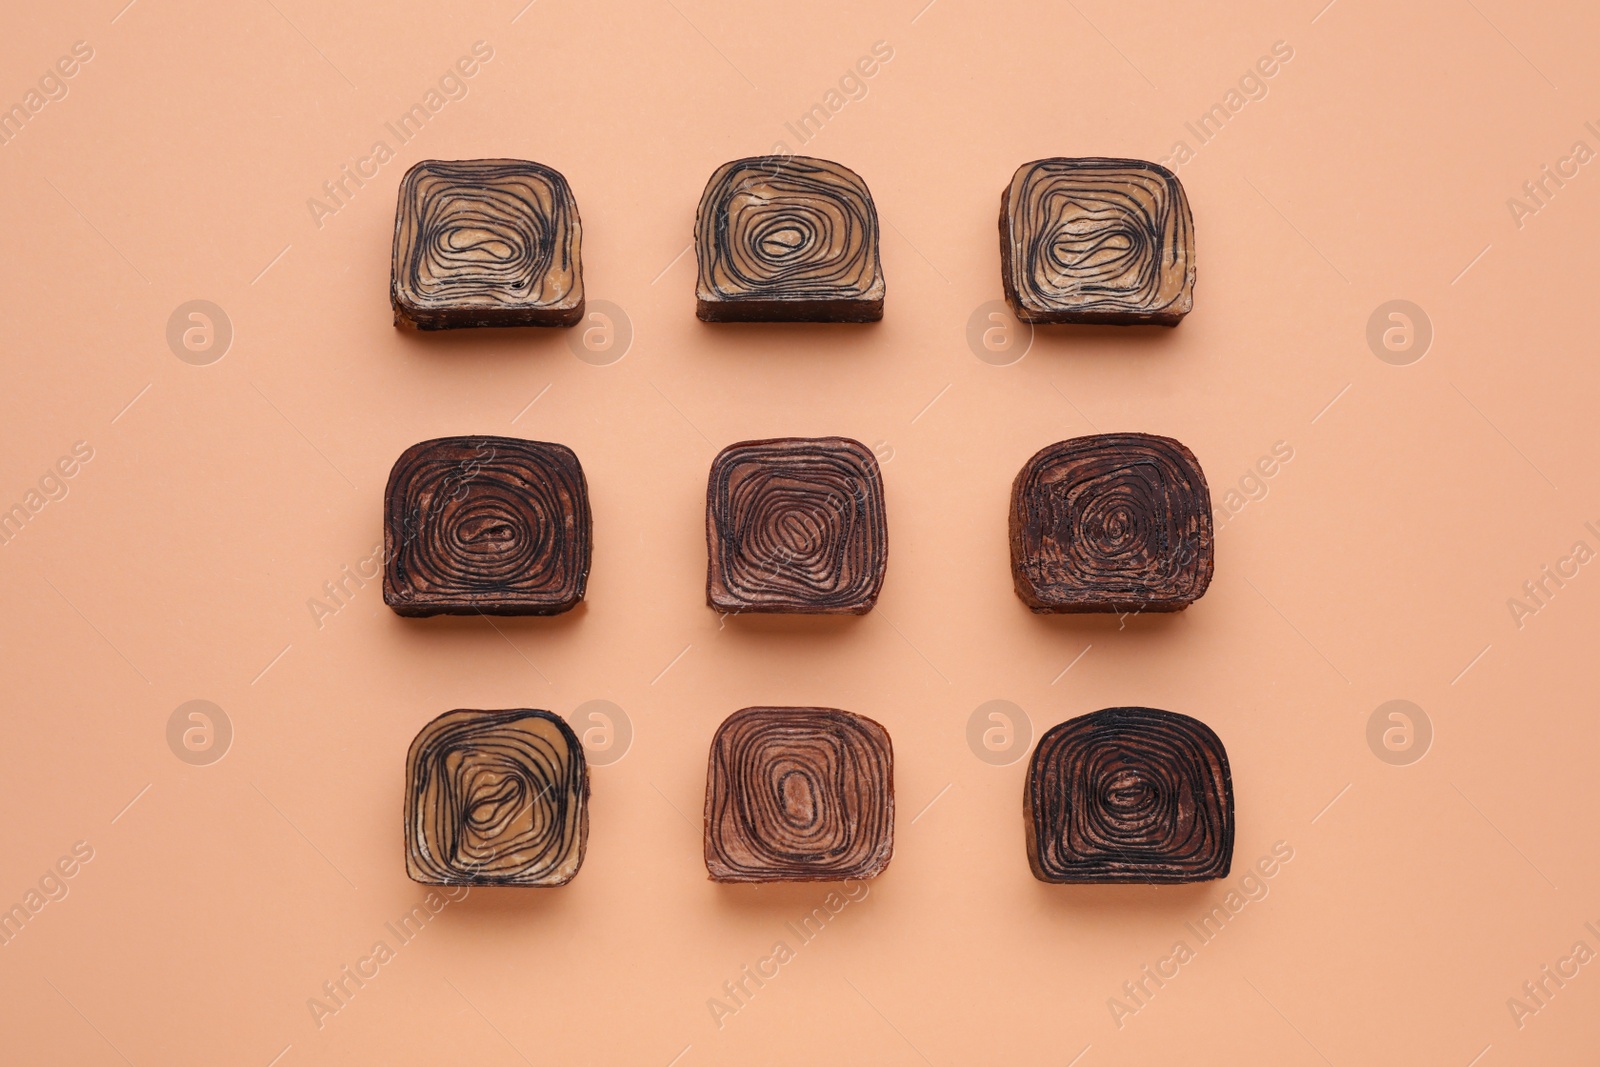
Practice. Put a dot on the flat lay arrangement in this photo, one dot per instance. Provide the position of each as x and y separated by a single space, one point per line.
1117 522
925 534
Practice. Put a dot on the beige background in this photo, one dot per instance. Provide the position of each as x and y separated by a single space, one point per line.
1377 566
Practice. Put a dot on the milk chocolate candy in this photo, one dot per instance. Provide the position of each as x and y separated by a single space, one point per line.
799 795
486 242
496 798
1129 795
1117 522
795 524
787 239
1092 240
485 525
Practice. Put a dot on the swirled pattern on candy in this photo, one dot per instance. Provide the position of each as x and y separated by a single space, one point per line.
795 524
1097 240
490 525
486 242
787 239
1113 522
799 795
496 798
1129 795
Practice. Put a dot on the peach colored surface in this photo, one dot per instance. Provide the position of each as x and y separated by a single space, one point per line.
1374 164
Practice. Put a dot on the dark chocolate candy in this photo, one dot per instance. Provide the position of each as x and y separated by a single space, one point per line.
799 795
796 524
1117 522
485 525
1129 795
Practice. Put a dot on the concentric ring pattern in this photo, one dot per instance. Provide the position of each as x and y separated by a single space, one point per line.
1111 522
1097 240
494 525
796 524
496 798
1129 795
486 242
799 794
787 238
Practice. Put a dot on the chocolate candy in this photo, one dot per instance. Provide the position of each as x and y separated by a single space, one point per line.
799 795
486 242
485 525
496 798
787 239
1129 795
1098 241
796 524
1114 522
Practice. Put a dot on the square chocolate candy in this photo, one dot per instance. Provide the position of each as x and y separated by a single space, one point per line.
1129 795
496 798
796 524
1117 522
787 239
799 795
1097 241
485 525
486 242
